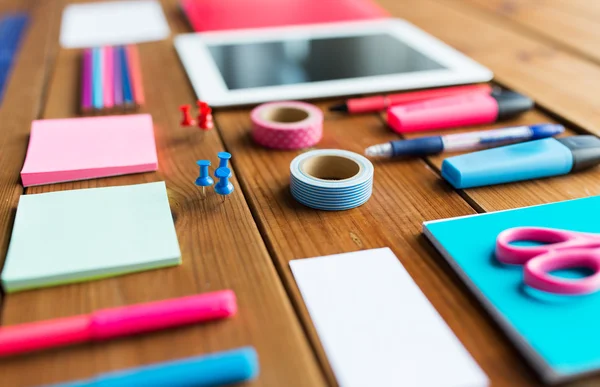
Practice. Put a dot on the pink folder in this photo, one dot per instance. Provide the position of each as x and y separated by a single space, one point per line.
213 15
87 148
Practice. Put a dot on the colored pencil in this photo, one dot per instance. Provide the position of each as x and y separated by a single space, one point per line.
97 78
118 89
127 90
135 74
111 78
108 78
86 80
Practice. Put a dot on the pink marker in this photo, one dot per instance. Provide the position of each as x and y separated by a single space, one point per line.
108 77
116 322
475 108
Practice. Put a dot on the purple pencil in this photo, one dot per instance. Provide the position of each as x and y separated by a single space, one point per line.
86 80
118 80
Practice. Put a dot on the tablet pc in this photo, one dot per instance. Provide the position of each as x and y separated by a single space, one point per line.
323 60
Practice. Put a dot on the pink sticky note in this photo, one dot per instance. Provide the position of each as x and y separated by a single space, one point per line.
87 148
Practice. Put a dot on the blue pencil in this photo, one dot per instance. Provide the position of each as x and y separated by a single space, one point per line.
125 78
97 84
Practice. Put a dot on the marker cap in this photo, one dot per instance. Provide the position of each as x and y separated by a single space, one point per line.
585 150
511 104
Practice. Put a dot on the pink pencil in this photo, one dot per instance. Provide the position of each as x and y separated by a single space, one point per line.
108 78
135 71
117 322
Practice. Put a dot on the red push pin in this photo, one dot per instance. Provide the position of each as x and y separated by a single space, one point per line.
205 119
186 120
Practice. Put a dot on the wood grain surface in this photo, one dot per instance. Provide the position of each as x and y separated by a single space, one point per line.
247 242
23 102
561 82
220 244
405 195
511 42
574 26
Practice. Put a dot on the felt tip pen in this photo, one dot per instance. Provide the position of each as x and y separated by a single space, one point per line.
117 322
381 102
464 141
457 110
217 369
517 162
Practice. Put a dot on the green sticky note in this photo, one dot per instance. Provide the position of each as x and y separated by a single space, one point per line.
74 236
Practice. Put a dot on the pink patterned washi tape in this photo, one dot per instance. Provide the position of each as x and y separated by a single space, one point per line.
287 125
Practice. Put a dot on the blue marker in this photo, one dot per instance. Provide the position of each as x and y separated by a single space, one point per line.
517 162
204 180
224 186
464 141
213 370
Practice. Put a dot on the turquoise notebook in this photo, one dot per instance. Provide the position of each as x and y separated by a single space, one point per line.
559 335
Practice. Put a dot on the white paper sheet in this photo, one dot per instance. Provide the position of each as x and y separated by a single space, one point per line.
112 23
377 327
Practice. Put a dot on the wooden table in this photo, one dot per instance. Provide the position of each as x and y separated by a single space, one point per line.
548 49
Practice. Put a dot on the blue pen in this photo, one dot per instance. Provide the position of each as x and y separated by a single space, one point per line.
464 141
213 370
125 77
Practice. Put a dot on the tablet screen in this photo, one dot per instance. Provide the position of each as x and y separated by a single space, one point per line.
250 65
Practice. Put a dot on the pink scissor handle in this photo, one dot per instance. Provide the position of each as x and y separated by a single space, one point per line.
519 255
537 271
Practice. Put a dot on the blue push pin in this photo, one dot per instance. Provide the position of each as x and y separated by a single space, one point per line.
224 186
204 180
224 159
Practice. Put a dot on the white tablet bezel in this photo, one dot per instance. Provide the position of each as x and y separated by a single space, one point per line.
209 85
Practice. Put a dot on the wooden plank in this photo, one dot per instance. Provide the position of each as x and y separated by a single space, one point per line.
553 21
454 23
558 81
220 244
405 195
587 8
22 102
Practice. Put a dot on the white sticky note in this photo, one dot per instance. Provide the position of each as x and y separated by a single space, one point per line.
377 327
112 23
73 236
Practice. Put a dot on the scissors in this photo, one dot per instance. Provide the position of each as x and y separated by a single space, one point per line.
562 249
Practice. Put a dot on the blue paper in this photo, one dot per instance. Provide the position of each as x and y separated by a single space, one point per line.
561 331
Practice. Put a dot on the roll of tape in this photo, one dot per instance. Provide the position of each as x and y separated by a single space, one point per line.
287 125
331 179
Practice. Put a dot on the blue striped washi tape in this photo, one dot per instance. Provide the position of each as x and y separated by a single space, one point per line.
331 179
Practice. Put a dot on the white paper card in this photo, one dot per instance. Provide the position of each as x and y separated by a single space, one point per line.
112 23
377 327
